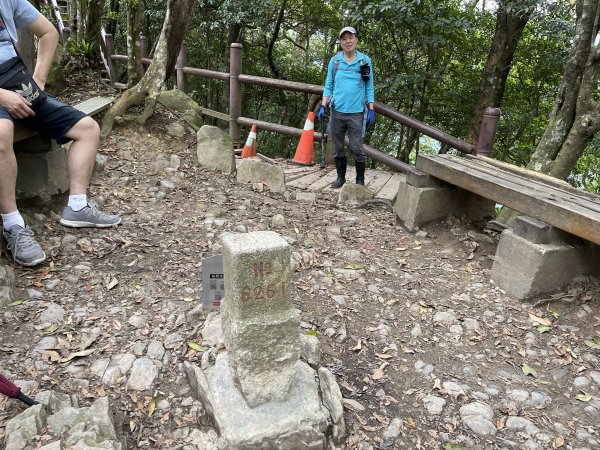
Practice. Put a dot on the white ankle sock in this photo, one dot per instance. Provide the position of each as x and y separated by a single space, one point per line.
11 219
77 202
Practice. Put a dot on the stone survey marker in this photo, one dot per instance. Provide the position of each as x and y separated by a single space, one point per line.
259 393
259 322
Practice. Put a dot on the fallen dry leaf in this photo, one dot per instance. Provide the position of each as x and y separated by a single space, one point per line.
540 320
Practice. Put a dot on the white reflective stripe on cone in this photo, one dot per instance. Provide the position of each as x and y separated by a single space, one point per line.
252 135
308 125
249 141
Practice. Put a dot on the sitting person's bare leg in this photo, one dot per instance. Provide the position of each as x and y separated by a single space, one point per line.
20 239
82 156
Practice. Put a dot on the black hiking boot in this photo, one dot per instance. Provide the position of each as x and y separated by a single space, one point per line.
360 172
340 166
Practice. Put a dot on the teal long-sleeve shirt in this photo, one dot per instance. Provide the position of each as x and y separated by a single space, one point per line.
349 91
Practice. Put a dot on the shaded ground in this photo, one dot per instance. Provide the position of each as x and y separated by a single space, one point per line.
410 323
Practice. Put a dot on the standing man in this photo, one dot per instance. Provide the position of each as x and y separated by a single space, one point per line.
350 94
50 118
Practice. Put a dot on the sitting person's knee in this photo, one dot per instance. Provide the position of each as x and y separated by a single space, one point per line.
7 131
88 128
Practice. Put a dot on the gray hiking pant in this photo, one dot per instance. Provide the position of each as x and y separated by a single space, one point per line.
353 124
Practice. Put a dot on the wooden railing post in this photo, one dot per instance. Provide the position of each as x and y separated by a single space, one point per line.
487 132
179 65
143 46
235 98
109 42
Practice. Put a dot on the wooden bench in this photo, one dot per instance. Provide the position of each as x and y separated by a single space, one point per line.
41 161
554 240
545 198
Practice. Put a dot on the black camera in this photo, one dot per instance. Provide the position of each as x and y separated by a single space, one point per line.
365 72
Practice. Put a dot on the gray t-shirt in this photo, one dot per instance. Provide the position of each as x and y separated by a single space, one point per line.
16 14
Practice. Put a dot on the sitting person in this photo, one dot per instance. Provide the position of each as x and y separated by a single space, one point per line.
51 118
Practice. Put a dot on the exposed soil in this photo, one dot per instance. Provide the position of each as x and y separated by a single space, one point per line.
373 292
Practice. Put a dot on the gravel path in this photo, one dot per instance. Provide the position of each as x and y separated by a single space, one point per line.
427 351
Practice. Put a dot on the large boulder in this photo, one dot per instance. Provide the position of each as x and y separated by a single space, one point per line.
180 102
215 149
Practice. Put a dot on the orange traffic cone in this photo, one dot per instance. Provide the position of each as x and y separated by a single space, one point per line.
306 147
250 147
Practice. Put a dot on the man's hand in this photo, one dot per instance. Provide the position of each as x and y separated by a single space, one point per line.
17 106
321 113
370 118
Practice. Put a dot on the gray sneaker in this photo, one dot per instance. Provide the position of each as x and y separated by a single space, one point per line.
90 216
22 245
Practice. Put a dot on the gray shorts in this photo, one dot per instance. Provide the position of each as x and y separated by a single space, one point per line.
52 119
351 123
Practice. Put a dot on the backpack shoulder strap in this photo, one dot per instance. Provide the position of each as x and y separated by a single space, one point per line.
336 64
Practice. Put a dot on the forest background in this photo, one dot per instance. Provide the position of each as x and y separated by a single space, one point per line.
441 62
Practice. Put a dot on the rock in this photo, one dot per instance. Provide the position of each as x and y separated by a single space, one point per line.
6 295
538 400
310 349
477 409
214 149
332 399
353 405
391 433
137 321
278 221
27 424
434 404
143 374
193 119
454 389
308 197
155 350
480 426
212 332
201 440
253 170
444 317
175 129
65 418
416 331
517 423
172 340
354 194
178 101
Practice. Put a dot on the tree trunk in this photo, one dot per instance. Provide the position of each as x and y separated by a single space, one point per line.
509 28
135 70
177 18
575 118
92 26
271 44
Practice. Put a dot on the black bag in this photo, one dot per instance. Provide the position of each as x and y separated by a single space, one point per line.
14 76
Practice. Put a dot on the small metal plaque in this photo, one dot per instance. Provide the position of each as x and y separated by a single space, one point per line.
213 282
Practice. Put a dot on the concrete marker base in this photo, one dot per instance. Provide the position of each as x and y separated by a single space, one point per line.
298 422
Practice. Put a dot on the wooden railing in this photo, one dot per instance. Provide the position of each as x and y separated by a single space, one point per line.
236 78
56 13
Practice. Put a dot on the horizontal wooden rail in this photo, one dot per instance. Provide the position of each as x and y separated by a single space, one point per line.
236 78
423 128
372 153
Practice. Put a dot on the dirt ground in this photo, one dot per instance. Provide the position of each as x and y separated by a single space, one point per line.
402 318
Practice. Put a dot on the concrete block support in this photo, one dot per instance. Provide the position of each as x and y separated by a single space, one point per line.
424 199
42 174
535 258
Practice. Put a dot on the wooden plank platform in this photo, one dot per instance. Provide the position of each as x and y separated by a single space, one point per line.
315 178
528 192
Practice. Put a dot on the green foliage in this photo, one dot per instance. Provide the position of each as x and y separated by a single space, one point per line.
428 58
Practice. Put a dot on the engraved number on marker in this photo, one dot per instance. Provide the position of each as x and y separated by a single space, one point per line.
259 293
